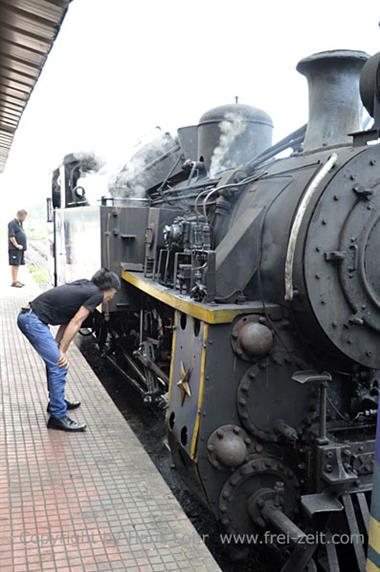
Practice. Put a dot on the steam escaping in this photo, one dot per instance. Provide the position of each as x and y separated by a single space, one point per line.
89 162
138 174
92 178
150 162
129 181
231 127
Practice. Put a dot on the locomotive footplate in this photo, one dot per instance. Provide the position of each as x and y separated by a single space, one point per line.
209 313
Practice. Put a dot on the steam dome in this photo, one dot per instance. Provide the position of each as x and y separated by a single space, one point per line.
231 135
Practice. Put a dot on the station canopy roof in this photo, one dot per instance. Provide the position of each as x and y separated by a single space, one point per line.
28 29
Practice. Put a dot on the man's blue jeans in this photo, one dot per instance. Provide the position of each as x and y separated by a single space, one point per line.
42 340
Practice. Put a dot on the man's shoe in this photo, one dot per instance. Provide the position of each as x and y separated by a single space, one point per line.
70 405
65 424
16 285
21 285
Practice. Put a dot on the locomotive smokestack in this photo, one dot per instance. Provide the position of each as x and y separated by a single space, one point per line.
335 108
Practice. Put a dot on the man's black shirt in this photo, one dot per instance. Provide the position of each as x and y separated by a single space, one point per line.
58 305
15 229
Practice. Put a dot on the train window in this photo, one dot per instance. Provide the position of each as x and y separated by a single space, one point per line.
184 435
183 321
197 327
171 420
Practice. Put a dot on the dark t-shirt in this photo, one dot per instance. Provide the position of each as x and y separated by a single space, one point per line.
58 305
15 229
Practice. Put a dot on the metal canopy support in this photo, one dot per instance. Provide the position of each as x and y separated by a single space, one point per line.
28 29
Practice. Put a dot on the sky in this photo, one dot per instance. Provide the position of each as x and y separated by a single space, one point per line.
119 68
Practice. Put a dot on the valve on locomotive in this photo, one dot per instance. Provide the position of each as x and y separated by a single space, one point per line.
187 234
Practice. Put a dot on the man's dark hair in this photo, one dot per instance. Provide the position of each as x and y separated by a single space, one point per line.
105 280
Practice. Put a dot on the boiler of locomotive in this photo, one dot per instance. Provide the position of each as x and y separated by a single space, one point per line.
309 224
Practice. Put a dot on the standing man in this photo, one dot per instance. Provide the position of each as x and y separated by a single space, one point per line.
67 306
16 245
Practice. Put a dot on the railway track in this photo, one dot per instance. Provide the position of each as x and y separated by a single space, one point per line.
35 252
37 260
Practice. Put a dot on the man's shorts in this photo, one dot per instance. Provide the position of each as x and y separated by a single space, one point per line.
16 257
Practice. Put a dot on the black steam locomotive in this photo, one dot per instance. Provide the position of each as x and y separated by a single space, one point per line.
251 306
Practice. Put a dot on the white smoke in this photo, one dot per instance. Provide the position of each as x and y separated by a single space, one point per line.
231 127
91 178
89 162
134 178
95 186
127 179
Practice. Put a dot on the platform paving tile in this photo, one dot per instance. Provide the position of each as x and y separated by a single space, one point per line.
90 501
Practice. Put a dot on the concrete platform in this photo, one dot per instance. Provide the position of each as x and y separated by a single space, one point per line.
90 501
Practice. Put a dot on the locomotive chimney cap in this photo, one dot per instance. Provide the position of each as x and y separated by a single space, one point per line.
332 56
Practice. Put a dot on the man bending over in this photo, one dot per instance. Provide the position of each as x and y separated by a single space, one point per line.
67 306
